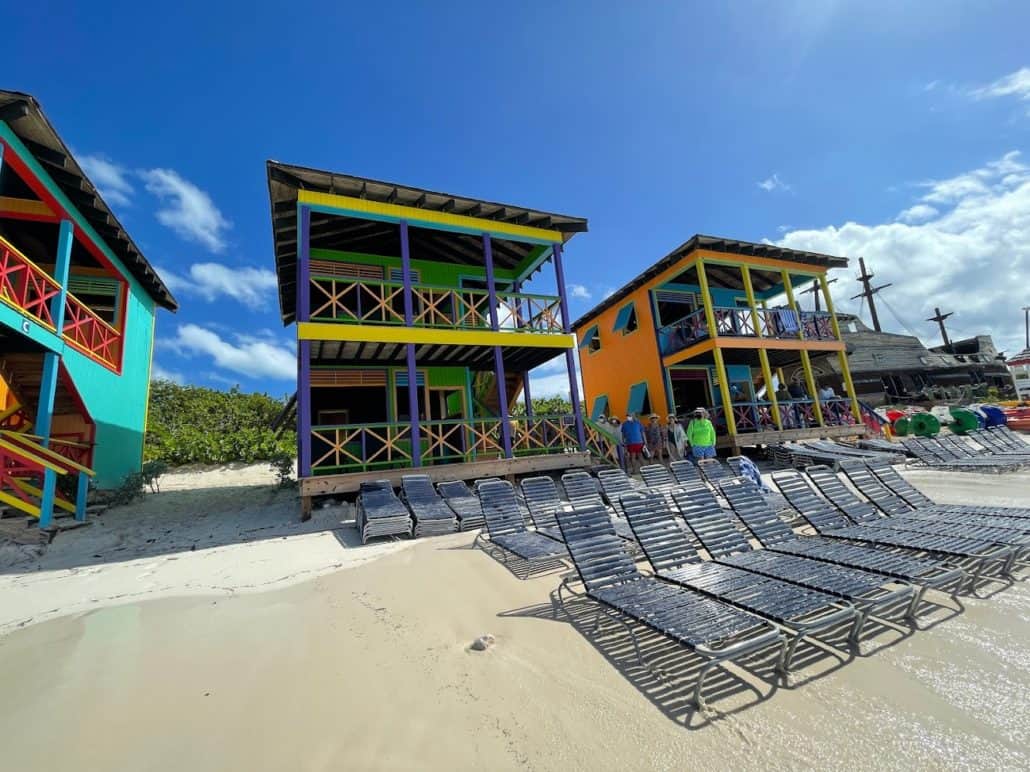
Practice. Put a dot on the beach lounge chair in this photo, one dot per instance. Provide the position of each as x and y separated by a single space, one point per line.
670 551
713 630
870 486
380 512
432 514
919 500
865 590
765 525
506 526
712 470
657 478
685 473
543 502
465 503
614 482
583 490
979 555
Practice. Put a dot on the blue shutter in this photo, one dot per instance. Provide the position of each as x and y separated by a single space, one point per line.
625 314
402 378
588 337
600 407
637 392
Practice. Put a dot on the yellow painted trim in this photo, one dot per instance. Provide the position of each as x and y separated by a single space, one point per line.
724 390
689 353
384 334
9 204
20 440
424 215
770 392
30 456
14 501
749 293
792 344
732 258
706 298
842 354
32 490
806 365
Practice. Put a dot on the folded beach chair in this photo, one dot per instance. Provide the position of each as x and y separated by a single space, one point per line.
979 555
584 490
670 551
507 529
465 503
866 591
380 512
543 502
686 473
715 631
765 525
840 449
432 514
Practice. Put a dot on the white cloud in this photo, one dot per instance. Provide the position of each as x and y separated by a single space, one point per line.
187 209
110 179
917 213
971 256
158 373
253 287
769 184
1015 84
255 356
579 291
931 85
551 379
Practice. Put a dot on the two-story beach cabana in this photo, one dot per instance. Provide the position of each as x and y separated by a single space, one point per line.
713 324
77 307
416 329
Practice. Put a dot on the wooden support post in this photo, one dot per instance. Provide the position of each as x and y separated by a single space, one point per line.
502 387
842 355
409 319
763 355
303 312
570 357
724 390
47 394
806 364
706 299
46 499
81 497
790 301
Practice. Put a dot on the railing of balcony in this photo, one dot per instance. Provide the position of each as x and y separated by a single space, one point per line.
372 301
30 290
362 447
756 416
737 322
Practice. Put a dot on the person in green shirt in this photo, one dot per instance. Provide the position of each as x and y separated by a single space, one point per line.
701 436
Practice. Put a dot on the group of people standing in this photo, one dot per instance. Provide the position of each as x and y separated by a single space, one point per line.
676 439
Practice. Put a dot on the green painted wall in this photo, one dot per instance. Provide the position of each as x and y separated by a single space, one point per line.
430 272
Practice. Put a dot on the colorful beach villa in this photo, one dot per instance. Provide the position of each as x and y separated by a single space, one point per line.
713 324
417 324
77 308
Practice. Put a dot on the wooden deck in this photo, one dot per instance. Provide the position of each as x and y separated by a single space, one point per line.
752 439
325 485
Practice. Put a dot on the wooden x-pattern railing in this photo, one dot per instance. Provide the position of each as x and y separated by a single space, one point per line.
444 439
543 434
26 286
817 325
360 445
90 334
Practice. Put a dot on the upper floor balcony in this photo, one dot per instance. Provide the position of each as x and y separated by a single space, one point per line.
375 301
738 322
32 292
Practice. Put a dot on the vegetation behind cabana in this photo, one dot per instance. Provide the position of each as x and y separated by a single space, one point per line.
197 425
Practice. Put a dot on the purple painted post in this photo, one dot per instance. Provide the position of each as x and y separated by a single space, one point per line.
516 288
303 312
502 389
409 316
570 357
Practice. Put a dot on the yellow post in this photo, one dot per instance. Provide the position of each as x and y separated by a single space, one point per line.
790 301
706 299
842 356
724 390
763 355
806 365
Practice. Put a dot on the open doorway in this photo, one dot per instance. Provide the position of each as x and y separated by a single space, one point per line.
690 388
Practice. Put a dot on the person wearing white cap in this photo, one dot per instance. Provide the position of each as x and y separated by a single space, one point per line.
701 436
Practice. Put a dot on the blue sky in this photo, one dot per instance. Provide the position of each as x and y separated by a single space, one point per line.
900 134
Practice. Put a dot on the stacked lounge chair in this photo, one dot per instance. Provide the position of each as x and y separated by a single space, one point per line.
715 631
465 503
432 514
507 529
765 525
798 610
935 455
380 512
865 590
984 557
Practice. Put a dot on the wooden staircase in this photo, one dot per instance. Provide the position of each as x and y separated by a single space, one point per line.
484 392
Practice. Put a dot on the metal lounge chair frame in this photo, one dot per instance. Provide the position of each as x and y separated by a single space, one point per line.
380 512
464 502
543 503
715 631
506 527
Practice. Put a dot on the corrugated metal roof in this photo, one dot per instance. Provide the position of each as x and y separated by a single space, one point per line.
25 117
715 244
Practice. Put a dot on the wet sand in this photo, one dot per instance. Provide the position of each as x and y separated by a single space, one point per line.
368 667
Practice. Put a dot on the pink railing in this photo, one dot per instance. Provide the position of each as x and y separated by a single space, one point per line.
87 332
25 285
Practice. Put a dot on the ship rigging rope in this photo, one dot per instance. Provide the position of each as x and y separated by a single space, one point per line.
897 318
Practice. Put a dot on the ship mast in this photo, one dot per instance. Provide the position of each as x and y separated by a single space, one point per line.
1026 319
939 318
814 289
868 290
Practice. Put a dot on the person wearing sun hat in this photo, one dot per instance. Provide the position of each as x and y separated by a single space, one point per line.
677 439
701 436
654 436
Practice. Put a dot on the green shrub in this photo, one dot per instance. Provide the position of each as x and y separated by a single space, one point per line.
282 465
197 425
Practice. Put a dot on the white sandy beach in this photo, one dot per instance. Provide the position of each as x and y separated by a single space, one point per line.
242 639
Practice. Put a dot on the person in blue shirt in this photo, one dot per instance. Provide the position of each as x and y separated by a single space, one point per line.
633 437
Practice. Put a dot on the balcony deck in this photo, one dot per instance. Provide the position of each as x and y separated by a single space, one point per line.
732 322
